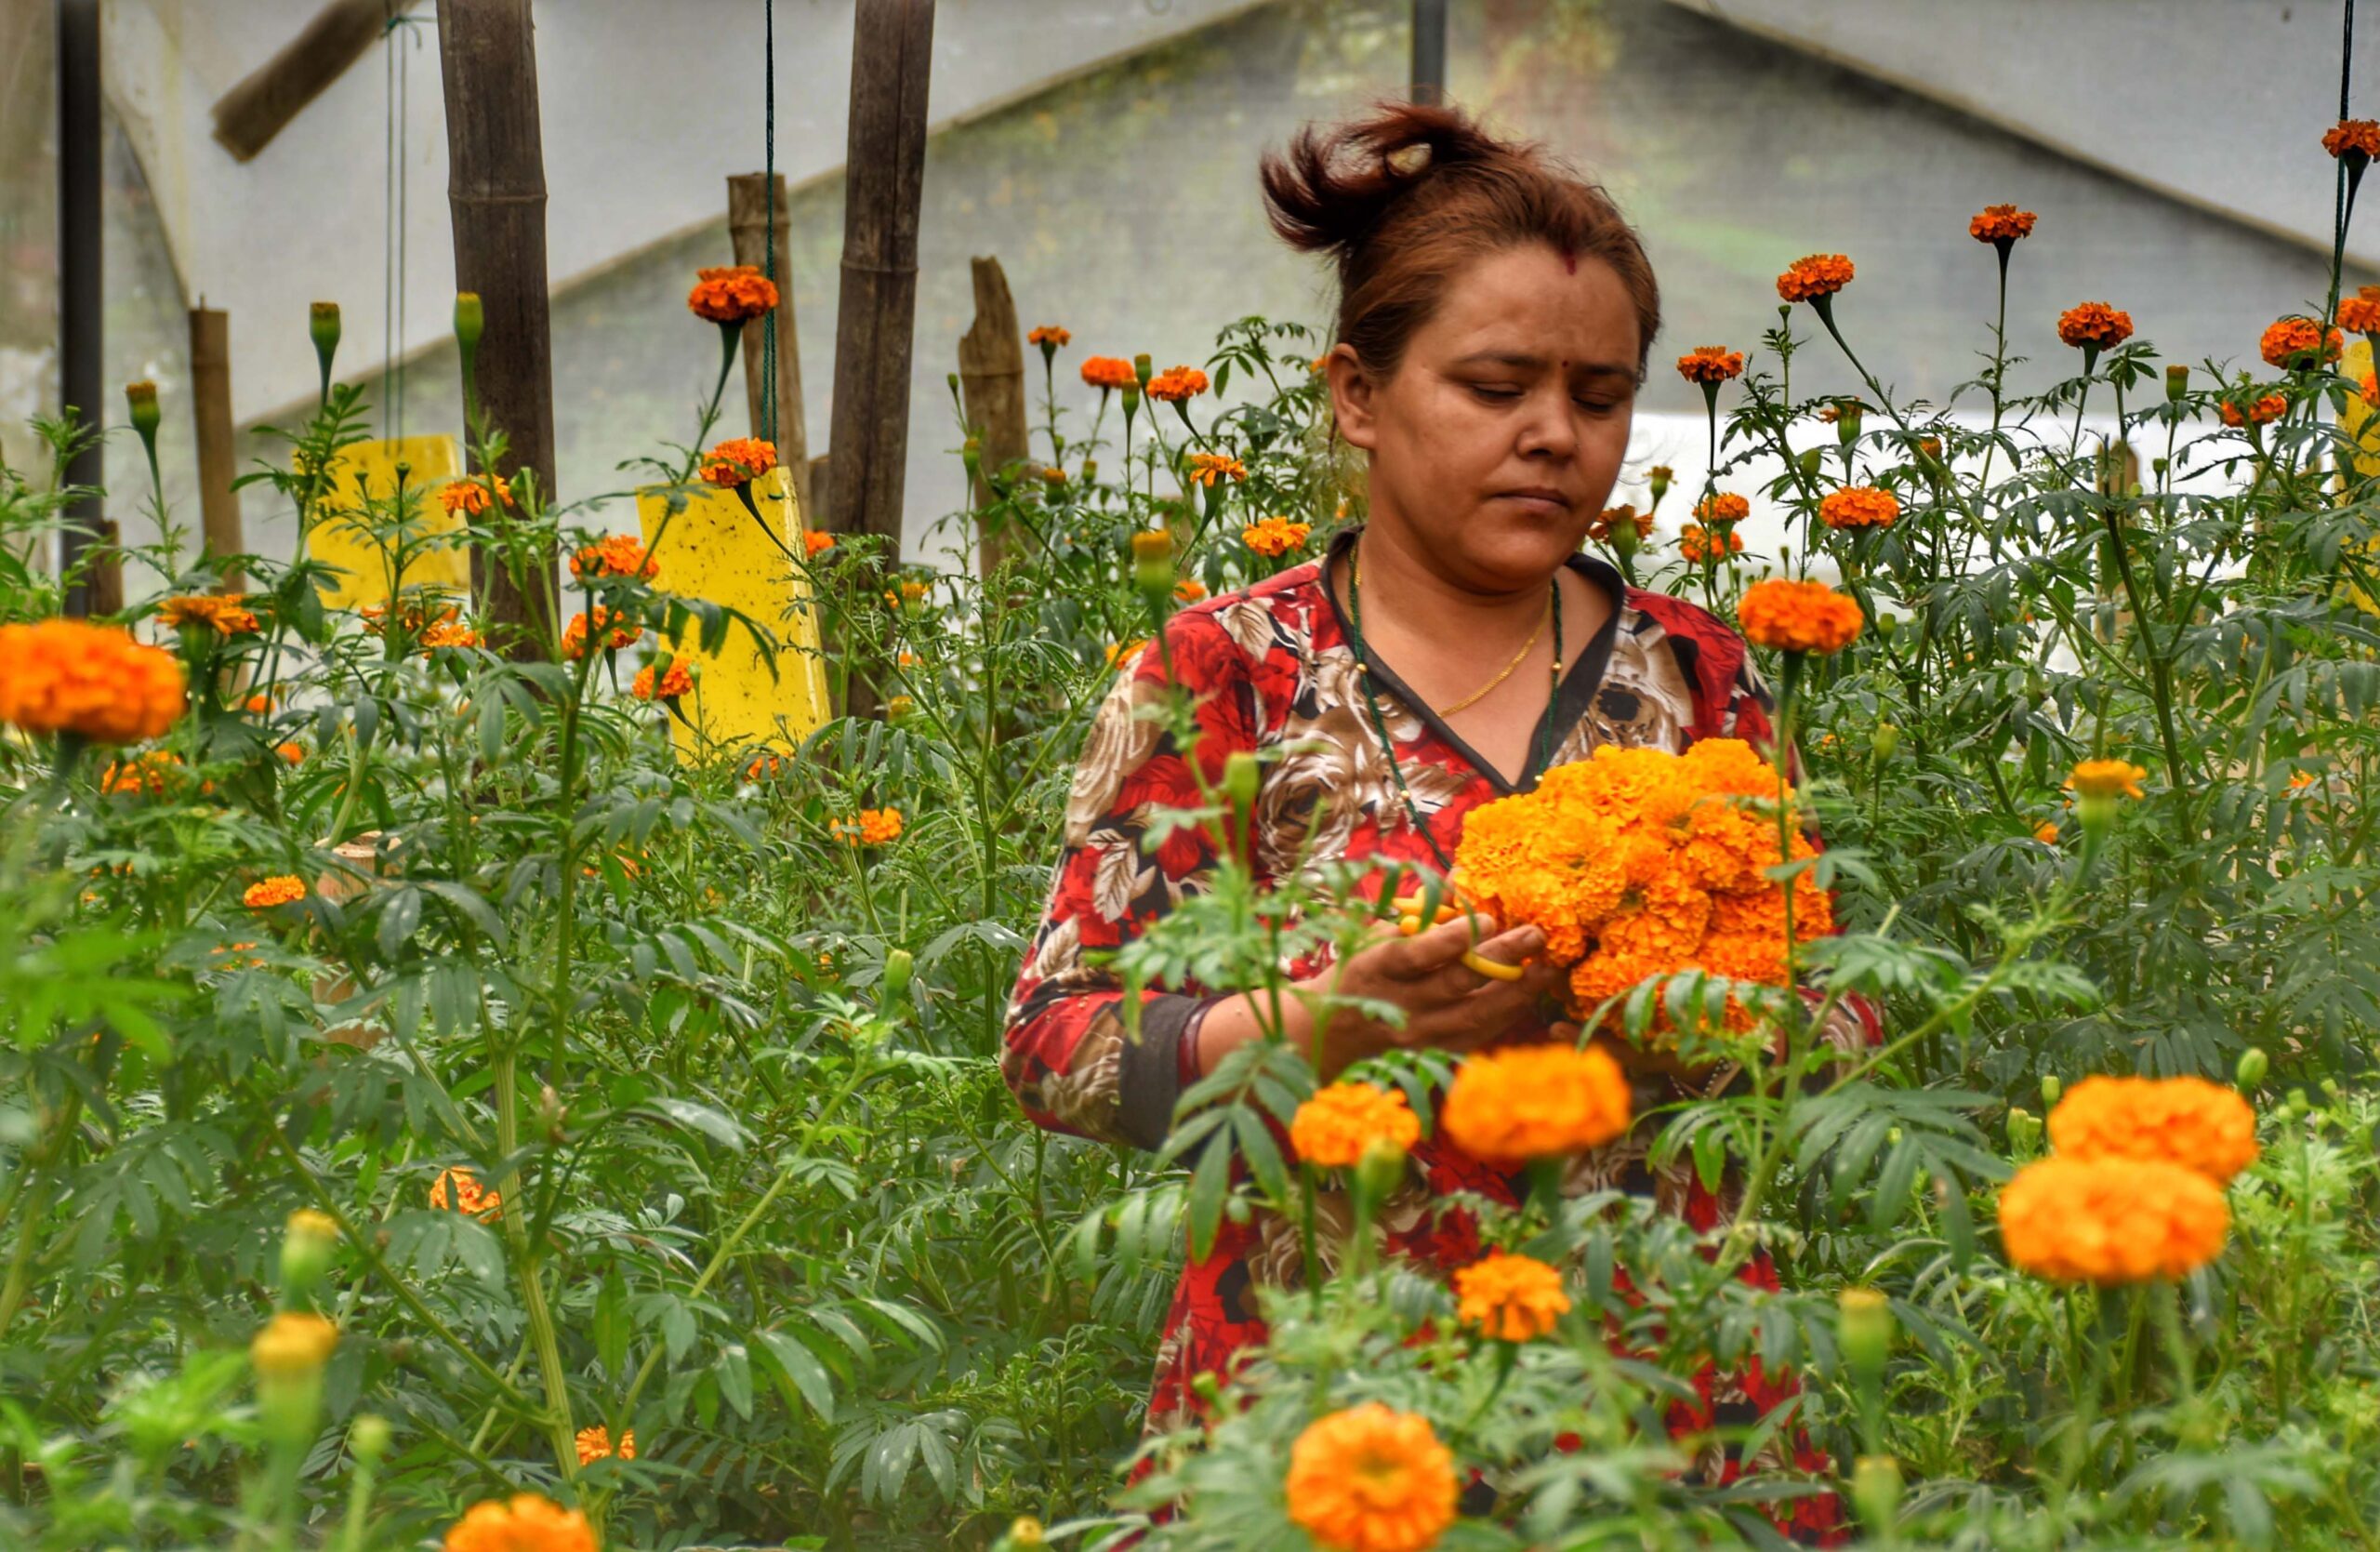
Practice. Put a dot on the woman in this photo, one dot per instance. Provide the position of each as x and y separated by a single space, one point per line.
1495 314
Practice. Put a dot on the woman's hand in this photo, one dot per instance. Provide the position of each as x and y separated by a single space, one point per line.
1448 1004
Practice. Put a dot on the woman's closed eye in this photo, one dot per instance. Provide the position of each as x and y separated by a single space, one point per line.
1496 391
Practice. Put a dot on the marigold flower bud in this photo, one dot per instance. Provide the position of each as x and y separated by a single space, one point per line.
899 967
1153 562
2254 1065
1379 1169
1242 776
1025 1535
1863 1329
470 320
1142 369
1887 740
1660 482
2024 1131
367 1438
2051 1089
2178 382
323 327
141 403
1875 1487
307 1246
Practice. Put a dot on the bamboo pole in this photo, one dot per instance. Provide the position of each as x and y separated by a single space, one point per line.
495 185
750 227
91 539
210 393
991 383
263 102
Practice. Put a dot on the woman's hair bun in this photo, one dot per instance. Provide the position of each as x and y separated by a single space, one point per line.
1334 182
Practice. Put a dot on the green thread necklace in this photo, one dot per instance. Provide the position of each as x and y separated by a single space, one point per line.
1540 746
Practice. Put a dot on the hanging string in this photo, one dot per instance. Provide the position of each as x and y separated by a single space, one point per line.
769 178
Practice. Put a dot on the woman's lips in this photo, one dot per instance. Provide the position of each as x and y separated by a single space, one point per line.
1538 500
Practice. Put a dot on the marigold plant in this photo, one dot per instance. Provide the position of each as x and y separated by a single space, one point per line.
1275 536
1786 616
1858 507
1048 334
225 616
2353 136
292 1341
458 1190
677 681
93 681
2205 1126
1814 276
1207 468
1331 1130
470 497
525 1522
1723 506
871 827
1178 384
279 890
146 772
739 460
2111 1221
1710 364
732 293
1698 545
1370 1479
595 1443
2262 411
2299 343
2001 224
617 555
2106 779
2093 324
1507 1106
1108 372
1510 1298
615 629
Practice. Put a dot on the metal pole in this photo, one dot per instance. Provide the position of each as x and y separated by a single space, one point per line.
81 174
1429 50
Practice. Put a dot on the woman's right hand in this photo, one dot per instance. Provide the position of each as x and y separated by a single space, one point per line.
1448 1004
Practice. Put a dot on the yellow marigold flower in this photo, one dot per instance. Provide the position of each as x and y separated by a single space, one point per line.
676 683
292 1343
1275 536
460 1191
2001 224
872 826
1207 468
2094 324
1510 1298
1723 506
739 460
1858 507
279 890
2106 779
2207 1127
306 1220
1331 1130
2111 1221
1505 1108
1371 1478
2361 313
1049 334
223 616
595 1443
1178 384
912 592
619 555
2353 136
1108 371
1699 544
1798 617
2299 342
146 772
1710 364
2046 832
732 293
94 680
469 499
616 628
1820 275
521 1523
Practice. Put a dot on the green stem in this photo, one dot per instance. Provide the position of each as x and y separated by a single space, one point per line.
533 1293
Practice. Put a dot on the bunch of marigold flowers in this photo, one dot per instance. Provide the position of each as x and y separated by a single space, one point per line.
1639 862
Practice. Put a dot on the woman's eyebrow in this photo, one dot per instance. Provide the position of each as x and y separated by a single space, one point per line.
1524 361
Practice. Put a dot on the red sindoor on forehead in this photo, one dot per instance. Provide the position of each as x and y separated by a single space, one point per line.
1569 262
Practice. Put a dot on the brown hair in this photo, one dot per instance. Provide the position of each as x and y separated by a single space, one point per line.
1403 198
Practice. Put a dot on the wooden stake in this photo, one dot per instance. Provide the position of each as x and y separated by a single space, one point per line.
263 101
210 394
748 228
91 544
495 184
991 381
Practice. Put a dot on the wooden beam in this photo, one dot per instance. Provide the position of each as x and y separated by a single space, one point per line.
210 394
87 547
495 187
748 228
260 106
991 384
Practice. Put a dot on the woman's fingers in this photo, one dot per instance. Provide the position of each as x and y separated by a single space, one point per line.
1433 949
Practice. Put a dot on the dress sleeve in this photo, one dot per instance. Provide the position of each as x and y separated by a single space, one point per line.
1071 1055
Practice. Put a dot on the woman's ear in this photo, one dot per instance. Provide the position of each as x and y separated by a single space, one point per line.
1353 403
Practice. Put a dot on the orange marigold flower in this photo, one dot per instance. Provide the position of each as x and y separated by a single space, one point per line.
447 632
1207 468
294 753
66 676
617 629
279 890
1710 364
1507 1106
1798 617
1723 506
732 293
457 1189
470 497
145 772
2300 780
225 616
1820 275
676 683
1331 1130
1189 589
739 460
872 826
1612 519
619 555
1510 1298
2106 779
2207 1127
762 767
1049 333
1120 651
2361 313
2298 342
1275 536
1698 545
2046 832
2358 137
523 1523
1858 507
1177 384
1371 1478
2111 1221
2094 324
595 1443
815 542
2265 411
1109 371
2001 224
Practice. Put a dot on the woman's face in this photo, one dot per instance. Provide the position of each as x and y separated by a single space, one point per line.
1499 436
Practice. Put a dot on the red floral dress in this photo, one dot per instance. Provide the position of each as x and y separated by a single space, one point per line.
1271 668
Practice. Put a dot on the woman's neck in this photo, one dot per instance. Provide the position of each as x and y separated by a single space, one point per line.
1412 596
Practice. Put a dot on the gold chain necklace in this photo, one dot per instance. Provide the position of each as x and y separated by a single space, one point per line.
1356 579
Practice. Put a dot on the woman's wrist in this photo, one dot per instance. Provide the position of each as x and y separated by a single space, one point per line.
1234 1021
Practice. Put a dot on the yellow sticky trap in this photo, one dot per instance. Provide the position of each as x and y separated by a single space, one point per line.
339 536
715 550
2361 421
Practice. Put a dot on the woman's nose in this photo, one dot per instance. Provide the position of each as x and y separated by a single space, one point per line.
1548 429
